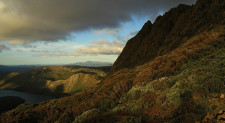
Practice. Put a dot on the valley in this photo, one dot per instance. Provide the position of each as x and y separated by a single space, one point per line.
55 81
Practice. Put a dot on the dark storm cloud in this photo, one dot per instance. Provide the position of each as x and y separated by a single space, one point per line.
50 20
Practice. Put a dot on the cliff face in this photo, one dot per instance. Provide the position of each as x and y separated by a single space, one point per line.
135 50
151 40
169 31
171 71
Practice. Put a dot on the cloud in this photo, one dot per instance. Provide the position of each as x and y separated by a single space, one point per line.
49 49
47 53
16 42
110 31
51 20
3 47
100 47
115 32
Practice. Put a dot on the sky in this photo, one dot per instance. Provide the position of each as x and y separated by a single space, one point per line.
69 31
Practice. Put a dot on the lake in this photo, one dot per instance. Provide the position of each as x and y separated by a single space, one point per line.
28 97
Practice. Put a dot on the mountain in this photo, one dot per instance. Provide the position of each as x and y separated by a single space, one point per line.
171 71
169 32
92 64
16 68
54 80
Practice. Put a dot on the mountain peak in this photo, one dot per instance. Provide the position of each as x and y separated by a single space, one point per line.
168 31
146 44
134 47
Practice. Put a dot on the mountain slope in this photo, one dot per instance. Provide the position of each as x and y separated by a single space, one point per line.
172 71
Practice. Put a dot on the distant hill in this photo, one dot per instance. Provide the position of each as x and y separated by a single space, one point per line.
23 68
16 68
172 71
54 80
92 64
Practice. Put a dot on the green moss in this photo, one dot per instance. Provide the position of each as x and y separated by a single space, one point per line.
186 95
137 91
207 72
86 115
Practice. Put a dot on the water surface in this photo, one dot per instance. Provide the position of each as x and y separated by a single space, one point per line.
28 97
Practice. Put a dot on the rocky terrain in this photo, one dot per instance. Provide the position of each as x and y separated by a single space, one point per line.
173 70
